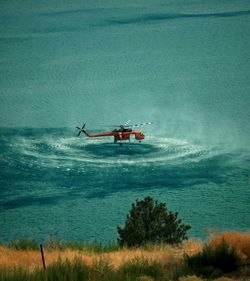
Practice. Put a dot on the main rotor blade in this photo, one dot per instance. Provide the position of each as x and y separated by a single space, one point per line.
142 124
126 123
116 125
79 133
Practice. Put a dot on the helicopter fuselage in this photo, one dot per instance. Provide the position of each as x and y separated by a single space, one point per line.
123 133
119 135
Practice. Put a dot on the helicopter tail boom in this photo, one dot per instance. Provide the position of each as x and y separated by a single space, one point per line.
82 130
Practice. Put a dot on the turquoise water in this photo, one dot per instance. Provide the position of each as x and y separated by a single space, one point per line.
53 183
183 65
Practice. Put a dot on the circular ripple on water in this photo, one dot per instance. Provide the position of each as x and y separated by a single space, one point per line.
64 151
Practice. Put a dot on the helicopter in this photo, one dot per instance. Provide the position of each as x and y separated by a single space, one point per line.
121 133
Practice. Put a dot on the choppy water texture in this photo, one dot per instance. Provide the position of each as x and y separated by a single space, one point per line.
53 183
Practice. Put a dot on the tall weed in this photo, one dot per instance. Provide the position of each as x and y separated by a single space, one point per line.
101 270
142 267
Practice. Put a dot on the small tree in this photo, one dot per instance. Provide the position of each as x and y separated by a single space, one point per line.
149 222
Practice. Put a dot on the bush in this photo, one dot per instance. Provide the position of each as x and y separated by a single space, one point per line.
213 261
150 222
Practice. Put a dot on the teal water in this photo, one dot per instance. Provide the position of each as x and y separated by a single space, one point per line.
53 183
183 65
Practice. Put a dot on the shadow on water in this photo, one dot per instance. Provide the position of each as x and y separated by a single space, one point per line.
67 168
150 177
99 183
114 149
24 201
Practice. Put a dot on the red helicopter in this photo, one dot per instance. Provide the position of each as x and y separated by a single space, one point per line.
121 134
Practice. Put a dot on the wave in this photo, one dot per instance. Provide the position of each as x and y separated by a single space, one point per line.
62 177
98 167
62 150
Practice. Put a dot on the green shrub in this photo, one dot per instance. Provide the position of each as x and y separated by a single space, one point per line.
150 222
213 261
24 244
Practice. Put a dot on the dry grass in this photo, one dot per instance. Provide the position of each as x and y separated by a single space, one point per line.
190 278
196 278
145 278
31 259
240 241
166 255
224 279
163 254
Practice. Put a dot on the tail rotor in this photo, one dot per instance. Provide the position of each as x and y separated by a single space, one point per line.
81 130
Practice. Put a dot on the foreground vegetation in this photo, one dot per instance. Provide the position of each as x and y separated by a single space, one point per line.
152 245
224 257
